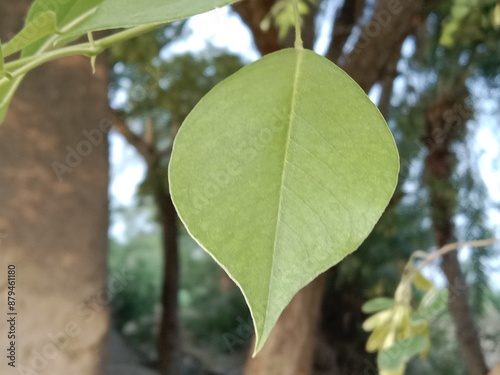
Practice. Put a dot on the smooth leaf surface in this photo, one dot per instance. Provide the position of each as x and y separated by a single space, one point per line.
280 172
114 14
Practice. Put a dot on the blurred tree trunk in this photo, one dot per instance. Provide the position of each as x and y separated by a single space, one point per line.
294 336
169 340
54 217
372 59
442 121
169 353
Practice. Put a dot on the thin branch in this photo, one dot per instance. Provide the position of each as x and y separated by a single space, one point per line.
344 21
430 257
138 142
298 25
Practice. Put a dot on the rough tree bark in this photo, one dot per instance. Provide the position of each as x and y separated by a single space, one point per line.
55 228
442 121
371 60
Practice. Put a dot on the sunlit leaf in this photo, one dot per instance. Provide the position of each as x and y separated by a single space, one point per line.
280 172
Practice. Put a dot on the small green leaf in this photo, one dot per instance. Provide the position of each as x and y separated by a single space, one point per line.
378 319
421 282
42 25
377 304
378 337
280 172
401 352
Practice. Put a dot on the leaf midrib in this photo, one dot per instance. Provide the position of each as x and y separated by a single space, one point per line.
299 55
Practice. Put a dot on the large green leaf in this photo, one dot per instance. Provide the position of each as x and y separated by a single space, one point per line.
113 14
280 172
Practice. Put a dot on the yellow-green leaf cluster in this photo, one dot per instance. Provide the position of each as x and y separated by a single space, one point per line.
282 14
398 332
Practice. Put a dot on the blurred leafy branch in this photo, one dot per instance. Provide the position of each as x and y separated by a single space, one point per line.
400 325
469 22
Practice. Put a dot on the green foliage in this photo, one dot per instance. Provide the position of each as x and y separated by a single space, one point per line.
70 19
471 21
399 330
52 24
290 178
377 304
282 14
135 287
393 359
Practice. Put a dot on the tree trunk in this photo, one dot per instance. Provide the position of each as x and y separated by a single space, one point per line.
168 344
54 213
169 353
439 168
290 347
